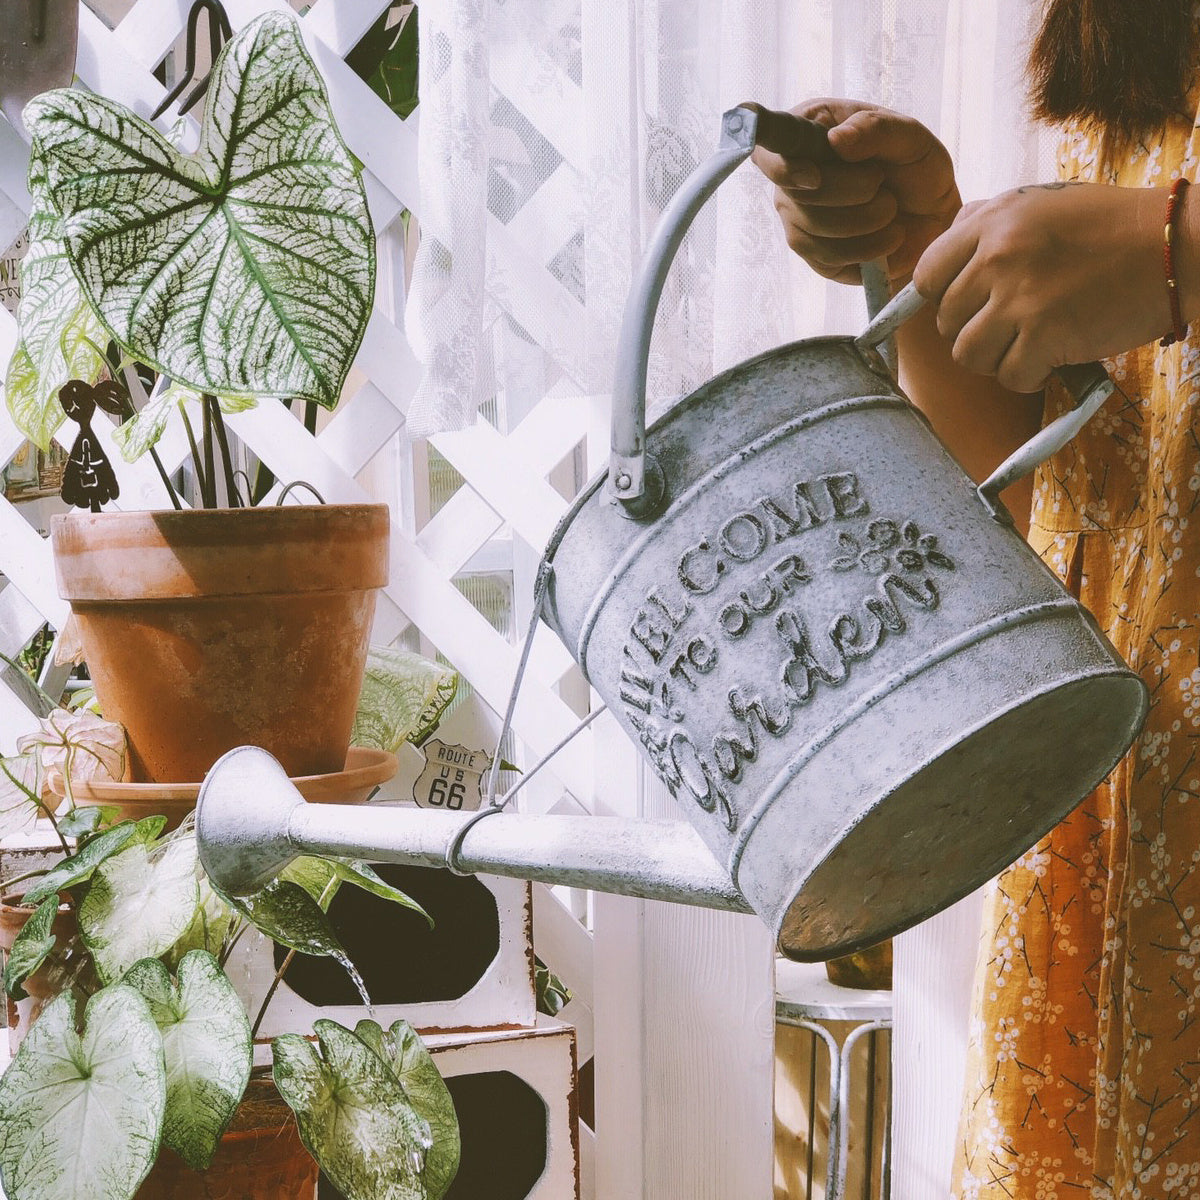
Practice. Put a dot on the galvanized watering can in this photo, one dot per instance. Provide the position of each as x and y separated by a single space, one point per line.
864 689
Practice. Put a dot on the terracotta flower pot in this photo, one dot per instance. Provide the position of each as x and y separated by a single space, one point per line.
209 629
260 1157
47 981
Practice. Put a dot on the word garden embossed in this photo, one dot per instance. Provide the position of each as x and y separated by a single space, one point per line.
678 635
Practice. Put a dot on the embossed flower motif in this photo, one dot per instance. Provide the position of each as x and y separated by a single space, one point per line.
887 541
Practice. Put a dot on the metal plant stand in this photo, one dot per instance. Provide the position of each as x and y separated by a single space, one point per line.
806 999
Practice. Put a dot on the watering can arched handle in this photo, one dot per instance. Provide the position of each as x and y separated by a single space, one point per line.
634 479
1089 383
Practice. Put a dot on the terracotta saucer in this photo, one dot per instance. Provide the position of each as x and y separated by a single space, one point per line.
365 770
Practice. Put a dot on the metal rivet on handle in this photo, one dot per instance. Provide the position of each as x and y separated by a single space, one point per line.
624 482
734 122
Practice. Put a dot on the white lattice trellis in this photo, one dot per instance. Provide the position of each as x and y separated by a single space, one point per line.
507 505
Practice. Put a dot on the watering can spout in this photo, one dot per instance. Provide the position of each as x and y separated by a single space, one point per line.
251 822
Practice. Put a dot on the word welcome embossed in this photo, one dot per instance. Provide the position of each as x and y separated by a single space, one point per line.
748 575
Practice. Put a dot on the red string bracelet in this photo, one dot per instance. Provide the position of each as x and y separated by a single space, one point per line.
1179 330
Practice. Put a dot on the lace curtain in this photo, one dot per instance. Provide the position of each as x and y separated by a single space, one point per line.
552 134
554 131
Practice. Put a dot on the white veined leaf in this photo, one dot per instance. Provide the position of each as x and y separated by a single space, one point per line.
212 924
58 331
30 948
207 1048
66 1094
412 1064
144 429
80 745
403 697
247 267
20 793
82 865
354 1116
138 907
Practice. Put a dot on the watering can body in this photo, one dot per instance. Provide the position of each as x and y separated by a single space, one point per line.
865 690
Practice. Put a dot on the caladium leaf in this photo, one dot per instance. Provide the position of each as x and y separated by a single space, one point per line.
207 1047
354 1115
412 1064
59 333
80 866
31 947
79 745
21 784
212 923
403 697
144 429
246 268
320 878
287 914
65 1093
137 906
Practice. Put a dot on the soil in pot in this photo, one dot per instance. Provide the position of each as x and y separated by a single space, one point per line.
210 629
260 1157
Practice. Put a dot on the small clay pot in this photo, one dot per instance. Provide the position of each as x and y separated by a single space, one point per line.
209 629
869 969
47 981
260 1157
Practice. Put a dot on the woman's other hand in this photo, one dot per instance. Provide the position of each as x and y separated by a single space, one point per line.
880 186
1054 273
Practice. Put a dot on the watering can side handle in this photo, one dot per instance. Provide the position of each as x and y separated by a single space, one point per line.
1089 383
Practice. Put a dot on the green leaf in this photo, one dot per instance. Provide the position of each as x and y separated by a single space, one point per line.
354 1116
31 947
387 59
403 698
138 907
65 1094
144 429
80 867
412 1064
315 875
247 268
212 923
86 820
287 914
207 1047
57 328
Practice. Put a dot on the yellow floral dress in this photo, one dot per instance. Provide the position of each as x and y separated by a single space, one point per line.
1083 1074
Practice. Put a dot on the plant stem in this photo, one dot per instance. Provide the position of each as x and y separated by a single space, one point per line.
262 1012
197 465
210 465
218 423
162 474
310 416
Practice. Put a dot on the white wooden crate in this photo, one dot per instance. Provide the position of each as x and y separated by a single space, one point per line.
498 992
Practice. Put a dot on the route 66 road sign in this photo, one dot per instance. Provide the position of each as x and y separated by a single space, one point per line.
452 778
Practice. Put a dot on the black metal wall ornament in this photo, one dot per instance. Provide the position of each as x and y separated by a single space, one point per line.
88 478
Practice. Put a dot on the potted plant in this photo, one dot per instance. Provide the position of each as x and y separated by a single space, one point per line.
160 282
134 1078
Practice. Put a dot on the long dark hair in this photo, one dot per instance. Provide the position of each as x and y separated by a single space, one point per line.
1125 65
